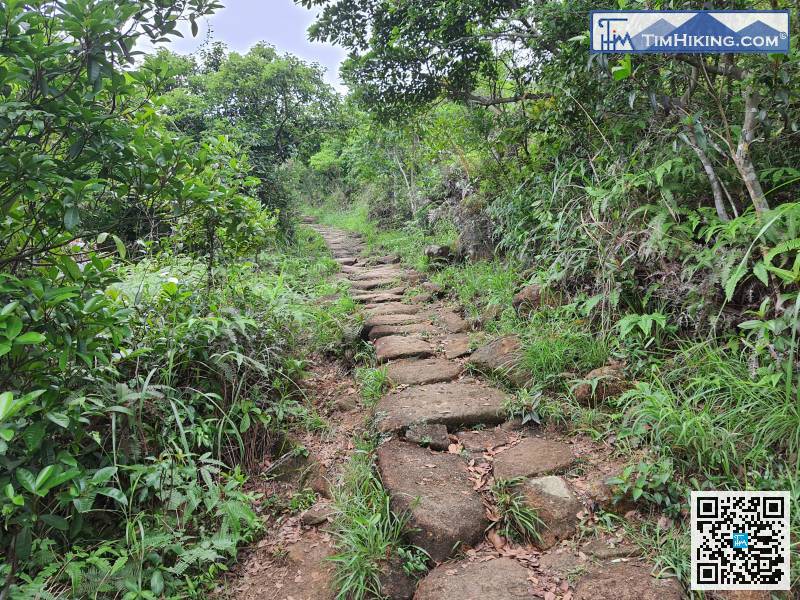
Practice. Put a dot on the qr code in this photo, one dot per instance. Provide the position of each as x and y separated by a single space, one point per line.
740 540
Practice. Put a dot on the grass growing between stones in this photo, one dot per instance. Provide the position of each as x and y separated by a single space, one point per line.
368 533
518 521
373 381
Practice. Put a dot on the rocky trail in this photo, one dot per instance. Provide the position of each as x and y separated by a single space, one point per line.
447 440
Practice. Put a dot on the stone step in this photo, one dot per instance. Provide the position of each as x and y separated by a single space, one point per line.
420 372
378 297
393 347
391 308
434 488
392 319
464 403
498 579
533 457
371 284
411 329
450 321
456 346
555 505
625 581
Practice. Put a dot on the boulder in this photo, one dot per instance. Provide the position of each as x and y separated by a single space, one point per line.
610 382
438 254
555 505
625 581
501 357
533 457
435 490
498 579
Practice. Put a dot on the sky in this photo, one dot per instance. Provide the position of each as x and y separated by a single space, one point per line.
282 23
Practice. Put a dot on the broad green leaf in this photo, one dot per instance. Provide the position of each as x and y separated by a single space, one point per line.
30 338
115 494
26 480
103 475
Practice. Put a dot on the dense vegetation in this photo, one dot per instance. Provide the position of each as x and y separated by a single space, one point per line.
156 296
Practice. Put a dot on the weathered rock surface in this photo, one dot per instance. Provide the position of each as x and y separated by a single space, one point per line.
611 548
610 383
453 404
438 254
410 329
498 579
392 319
420 372
378 297
451 321
625 581
456 346
389 259
393 347
436 491
533 457
396 584
391 308
347 261
317 514
430 435
371 284
555 505
502 357
483 439
433 288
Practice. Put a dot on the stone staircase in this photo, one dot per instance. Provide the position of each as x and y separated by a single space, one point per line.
449 437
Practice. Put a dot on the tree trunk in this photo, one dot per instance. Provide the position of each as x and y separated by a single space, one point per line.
742 157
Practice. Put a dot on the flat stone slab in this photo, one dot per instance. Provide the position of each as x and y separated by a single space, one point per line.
347 261
451 321
503 357
456 346
393 347
410 329
453 404
371 284
391 308
555 505
625 581
436 491
367 273
420 372
377 297
498 579
533 457
393 319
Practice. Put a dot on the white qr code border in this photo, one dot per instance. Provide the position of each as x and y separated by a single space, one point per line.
698 538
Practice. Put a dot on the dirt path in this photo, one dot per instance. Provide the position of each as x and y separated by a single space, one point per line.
447 441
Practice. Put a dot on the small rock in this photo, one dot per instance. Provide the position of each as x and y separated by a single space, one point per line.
389 259
610 383
397 346
528 299
625 581
432 435
555 505
438 254
502 357
433 288
345 403
489 314
498 579
423 298
317 514
533 457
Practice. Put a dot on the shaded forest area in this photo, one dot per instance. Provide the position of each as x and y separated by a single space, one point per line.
159 301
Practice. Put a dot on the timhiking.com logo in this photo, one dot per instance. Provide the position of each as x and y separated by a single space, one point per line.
690 31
